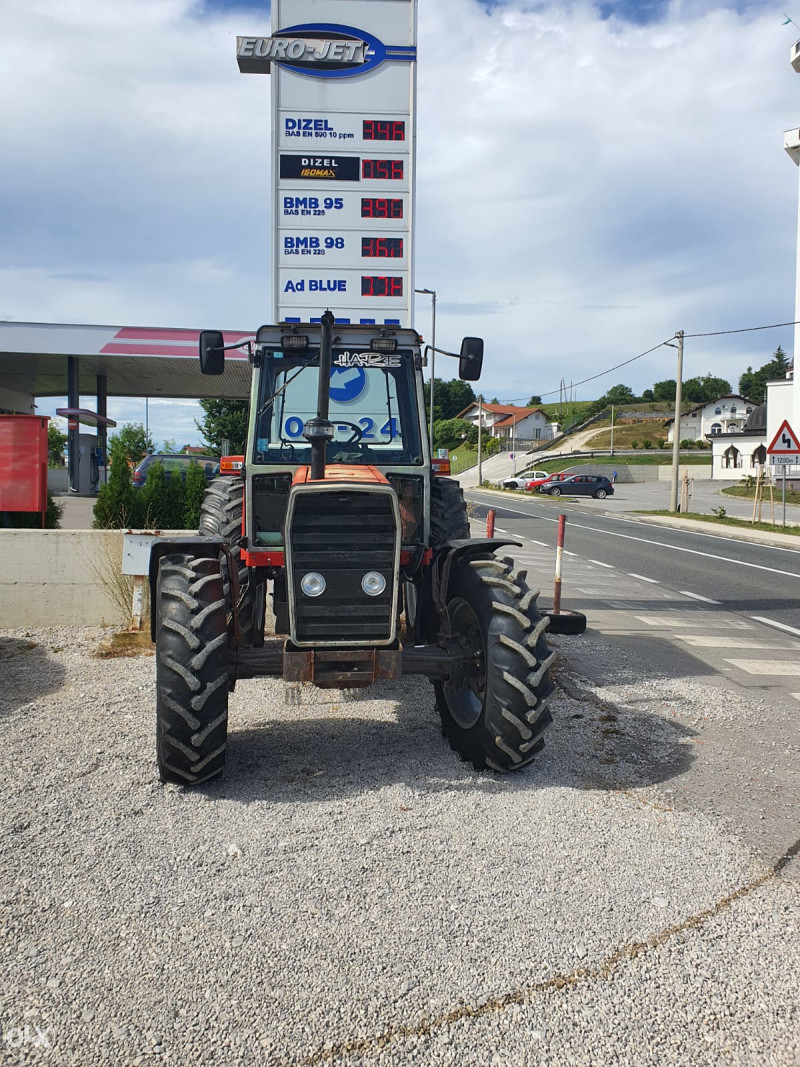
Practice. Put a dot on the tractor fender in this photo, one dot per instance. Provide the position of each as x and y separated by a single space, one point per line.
453 551
188 544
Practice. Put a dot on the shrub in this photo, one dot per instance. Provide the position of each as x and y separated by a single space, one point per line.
661 442
193 492
647 443
117 505
634 444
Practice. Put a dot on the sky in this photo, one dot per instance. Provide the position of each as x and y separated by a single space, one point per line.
591 177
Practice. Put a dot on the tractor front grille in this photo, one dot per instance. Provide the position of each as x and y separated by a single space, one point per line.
342 533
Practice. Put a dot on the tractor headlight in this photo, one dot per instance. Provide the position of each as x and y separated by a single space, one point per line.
313 584
373 583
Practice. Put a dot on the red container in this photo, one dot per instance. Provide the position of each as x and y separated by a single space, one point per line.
23 463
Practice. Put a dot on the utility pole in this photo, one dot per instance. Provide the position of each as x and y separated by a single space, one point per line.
676 425
612 431
480 420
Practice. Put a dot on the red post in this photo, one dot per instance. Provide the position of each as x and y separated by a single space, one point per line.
562 522
490 523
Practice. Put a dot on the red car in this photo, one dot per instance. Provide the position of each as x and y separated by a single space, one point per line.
537 483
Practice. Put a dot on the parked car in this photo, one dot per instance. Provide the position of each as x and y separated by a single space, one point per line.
179 462
519 481
581 485
548 479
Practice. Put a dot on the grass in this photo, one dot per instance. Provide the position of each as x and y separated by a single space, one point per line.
728 520
125 643
792 496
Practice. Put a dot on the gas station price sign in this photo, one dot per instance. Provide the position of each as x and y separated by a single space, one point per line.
343 153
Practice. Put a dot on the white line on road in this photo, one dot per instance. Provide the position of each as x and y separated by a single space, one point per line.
643 578
696 596
773 667
599 563
726 641
777 625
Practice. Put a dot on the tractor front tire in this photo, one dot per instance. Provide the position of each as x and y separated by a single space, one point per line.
191 670
494 711
221 516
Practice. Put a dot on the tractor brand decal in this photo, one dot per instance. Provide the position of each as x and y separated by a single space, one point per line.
321 50
366 359
327 168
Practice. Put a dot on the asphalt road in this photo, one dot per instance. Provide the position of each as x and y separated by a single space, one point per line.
748 579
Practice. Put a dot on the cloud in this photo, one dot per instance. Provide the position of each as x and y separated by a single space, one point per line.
589 180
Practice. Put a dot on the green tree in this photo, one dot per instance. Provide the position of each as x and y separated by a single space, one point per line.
56 442
534 401
753 384
620 394
448 433
134 440
647 394
450 398
225 420
154 498
704 390
170 446
665 390
176 502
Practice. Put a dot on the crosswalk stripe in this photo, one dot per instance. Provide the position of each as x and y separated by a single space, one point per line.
726 641
773 667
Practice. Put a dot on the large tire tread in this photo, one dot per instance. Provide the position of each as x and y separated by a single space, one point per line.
221 516
515 711
449 520
191 670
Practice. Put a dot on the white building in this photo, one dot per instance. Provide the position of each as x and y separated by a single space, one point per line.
744 451
727 414
518 426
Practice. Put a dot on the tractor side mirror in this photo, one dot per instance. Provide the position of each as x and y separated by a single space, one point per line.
212 354
471 359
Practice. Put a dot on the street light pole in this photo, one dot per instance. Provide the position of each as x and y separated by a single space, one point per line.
480 424
432 294
676 423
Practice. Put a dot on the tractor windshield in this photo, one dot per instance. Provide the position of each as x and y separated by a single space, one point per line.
372 407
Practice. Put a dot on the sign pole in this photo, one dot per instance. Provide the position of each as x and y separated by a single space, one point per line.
784 496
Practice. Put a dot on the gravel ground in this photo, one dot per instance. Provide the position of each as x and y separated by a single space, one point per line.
351 893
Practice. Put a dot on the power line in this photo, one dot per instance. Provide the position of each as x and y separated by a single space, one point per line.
746 329
710 333
602 374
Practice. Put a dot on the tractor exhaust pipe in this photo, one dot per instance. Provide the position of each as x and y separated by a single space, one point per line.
319 430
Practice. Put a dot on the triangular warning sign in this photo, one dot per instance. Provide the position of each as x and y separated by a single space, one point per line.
785 441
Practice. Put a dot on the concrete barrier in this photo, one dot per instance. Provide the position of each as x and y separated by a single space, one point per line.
63 578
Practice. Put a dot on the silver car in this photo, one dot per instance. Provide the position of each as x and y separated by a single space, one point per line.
519 481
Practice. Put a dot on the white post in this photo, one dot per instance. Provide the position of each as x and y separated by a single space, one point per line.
676 440
480 421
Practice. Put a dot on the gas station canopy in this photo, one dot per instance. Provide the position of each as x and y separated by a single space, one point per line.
140 361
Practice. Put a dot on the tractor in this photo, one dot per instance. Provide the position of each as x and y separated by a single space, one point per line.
336 523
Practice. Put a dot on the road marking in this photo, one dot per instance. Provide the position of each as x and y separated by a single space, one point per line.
696 596
643 578
765 666
705 619
569 553
678 548
777 625
795 695
601 564
723 641
542 543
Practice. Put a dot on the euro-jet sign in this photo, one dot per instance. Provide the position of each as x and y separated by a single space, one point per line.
343 82
785 447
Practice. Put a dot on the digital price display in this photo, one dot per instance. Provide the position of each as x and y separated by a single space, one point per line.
383 130
380 285
382 169
378 207
381 247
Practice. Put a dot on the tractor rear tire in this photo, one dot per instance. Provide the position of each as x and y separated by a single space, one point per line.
221 516
191 670
495 712
449 521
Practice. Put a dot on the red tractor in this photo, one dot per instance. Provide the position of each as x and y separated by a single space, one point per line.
337 525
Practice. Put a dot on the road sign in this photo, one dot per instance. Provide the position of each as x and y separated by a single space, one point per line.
785 442
788 459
